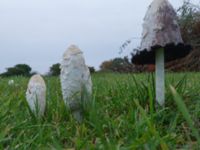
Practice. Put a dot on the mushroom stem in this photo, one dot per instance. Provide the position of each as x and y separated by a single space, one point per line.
160 77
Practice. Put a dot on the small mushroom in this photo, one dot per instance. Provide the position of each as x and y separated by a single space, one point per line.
161 42
11 82
75 81
36 95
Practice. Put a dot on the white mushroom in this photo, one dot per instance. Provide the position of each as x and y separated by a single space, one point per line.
75 81
161 41
11 82
36 95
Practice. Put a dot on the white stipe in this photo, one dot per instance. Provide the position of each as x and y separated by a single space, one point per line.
160 77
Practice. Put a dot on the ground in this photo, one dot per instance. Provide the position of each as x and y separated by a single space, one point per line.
121 115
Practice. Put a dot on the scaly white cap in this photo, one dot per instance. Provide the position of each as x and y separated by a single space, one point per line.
36 95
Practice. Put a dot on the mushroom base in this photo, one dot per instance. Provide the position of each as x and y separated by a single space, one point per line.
172 52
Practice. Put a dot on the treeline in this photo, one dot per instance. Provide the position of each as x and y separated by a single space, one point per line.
26 70
122 65
18 70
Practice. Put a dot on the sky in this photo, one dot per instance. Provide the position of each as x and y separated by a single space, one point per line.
37 32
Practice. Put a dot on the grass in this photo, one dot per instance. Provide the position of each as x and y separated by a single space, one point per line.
122 115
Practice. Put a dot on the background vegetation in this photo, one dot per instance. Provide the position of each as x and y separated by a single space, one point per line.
18 70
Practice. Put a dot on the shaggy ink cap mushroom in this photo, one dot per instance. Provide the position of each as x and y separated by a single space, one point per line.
160 30
36 95
76 81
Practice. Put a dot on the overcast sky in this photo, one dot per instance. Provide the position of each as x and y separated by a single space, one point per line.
37 32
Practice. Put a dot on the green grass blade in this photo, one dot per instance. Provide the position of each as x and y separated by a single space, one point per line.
183 109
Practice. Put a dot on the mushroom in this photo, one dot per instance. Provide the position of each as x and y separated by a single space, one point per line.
11 82
36 95
75 81
161 42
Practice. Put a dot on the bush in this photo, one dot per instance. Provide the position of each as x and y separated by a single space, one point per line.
54 70
121 65
92 69
17 70
189 21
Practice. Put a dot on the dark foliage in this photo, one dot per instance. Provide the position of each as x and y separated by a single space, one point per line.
92 69
121 65
54 70
189 21
18 70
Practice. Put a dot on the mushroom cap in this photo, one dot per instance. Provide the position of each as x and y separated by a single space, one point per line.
72 50
36 95
160 30
74 76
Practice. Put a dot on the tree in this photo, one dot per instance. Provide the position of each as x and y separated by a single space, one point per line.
189 21
92 69
55 70
117 65
18 70
106 65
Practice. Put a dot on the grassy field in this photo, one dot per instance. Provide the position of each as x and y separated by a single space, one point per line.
122 115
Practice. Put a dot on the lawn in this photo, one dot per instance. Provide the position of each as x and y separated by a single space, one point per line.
121 116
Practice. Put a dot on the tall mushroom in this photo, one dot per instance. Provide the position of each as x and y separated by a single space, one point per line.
161 42
36 95
75 81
